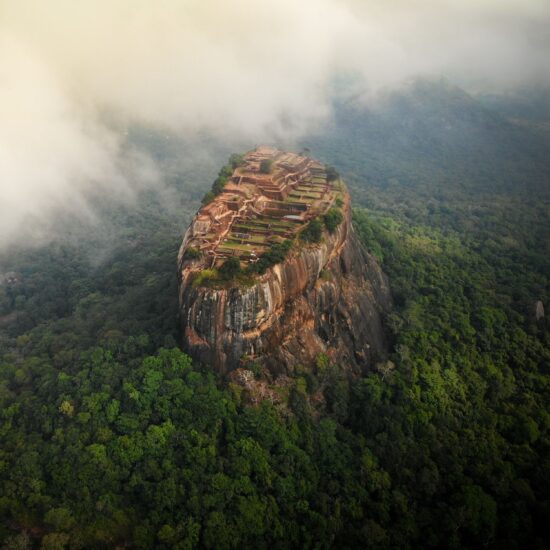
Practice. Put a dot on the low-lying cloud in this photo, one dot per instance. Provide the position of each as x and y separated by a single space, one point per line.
244 69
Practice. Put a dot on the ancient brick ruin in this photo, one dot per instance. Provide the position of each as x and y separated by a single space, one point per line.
256 209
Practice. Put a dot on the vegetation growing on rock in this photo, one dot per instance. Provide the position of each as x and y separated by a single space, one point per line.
223 176
266 166
332 219
192 253
275 255
313 231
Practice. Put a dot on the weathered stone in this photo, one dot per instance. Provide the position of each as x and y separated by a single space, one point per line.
325 298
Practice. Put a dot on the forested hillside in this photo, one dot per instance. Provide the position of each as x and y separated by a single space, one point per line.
110 436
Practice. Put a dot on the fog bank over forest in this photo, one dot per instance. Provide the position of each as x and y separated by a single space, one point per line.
241 72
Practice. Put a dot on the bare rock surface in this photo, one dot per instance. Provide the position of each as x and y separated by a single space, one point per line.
324 298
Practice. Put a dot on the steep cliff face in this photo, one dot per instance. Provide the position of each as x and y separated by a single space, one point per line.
325 298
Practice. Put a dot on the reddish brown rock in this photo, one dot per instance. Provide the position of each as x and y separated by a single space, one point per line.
325 298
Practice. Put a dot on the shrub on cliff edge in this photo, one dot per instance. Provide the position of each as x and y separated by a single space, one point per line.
313 231
230 268
333 218
192 253
275 255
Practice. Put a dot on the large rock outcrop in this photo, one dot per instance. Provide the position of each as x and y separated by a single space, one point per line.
325 298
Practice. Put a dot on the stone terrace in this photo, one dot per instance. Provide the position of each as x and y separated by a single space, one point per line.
256 210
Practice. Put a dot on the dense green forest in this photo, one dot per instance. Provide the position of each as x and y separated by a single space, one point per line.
109 435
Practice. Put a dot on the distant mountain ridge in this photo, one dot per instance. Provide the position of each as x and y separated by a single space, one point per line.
429 130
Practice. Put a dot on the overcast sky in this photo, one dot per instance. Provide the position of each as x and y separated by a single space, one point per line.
235 67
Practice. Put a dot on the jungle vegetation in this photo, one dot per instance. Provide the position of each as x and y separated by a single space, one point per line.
110 435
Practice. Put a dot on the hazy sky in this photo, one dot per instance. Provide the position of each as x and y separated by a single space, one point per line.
249 68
